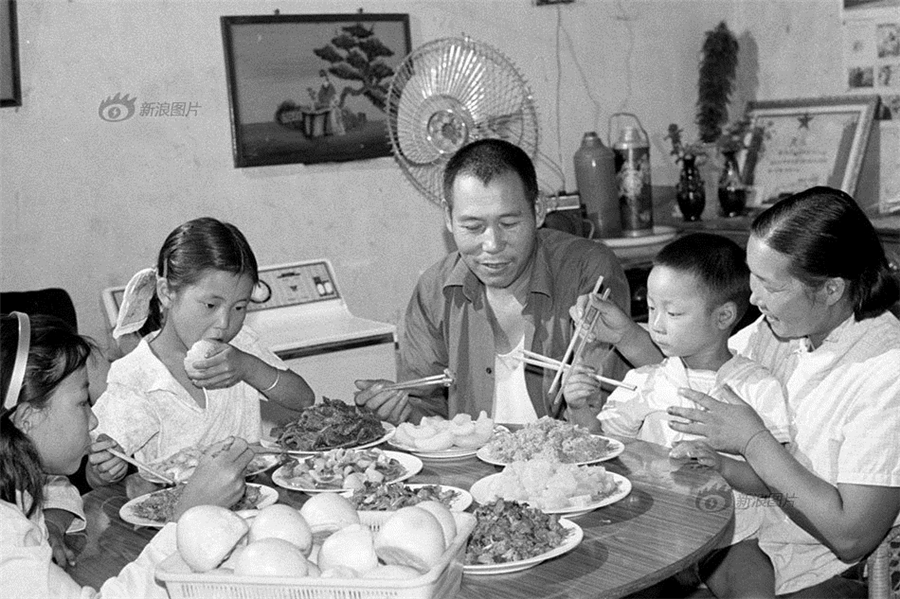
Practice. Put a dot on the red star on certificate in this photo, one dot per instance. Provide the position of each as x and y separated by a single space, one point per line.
804 121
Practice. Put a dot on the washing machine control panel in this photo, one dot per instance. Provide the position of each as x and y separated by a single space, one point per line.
296 284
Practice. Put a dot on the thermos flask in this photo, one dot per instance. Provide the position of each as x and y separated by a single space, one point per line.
595 175
632 164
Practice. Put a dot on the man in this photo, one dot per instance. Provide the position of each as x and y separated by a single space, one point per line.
509 286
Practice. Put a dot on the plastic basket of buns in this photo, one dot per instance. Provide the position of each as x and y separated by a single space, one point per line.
315 553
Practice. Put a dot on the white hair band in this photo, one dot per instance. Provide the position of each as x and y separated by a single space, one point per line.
18 374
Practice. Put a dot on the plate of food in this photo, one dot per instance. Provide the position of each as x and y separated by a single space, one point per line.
181 465
332 424
377 497
155 509
511 536
565 492
551 439
435 438
341 469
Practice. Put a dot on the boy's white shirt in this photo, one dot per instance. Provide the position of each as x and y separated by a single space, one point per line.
642 413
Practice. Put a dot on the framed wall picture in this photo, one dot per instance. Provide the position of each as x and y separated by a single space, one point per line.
311 88
797 144
10 86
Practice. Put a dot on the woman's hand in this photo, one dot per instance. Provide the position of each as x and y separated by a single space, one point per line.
219 476
728 427
391 406
699 451
103 467
57 522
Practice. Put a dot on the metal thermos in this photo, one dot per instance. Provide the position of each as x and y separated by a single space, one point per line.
632 164
595 175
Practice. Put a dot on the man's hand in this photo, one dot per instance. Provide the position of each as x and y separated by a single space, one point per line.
57 522
391 406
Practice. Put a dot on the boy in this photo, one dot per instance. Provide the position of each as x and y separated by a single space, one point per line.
696 292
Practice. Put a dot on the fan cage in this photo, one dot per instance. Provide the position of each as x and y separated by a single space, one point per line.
447 93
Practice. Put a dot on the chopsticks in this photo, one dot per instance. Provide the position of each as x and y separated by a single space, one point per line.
535 359
445 379
575 337
141 465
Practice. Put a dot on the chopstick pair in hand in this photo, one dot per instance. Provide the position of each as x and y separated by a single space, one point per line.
141 465
445 379
535 359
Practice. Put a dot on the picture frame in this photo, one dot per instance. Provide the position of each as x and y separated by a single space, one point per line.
10 84
311 88
799 143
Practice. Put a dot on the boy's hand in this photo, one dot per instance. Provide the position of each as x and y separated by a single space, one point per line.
611 326
103 467
579 387
700 451
57 522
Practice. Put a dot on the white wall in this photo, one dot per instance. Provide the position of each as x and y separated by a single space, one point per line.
85 203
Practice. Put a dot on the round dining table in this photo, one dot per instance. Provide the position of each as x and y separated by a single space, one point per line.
676 512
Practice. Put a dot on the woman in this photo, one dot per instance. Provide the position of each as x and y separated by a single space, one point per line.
820 277
45 422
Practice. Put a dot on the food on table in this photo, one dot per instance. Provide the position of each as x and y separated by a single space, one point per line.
270 557
411 537
550 485
328 425
393 496
160 505
351 547
434 433
328 512
549 439
280 521
392 571
180 466
342 469
444 516
206 534
509 531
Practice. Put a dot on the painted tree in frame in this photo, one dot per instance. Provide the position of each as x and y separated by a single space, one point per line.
311 88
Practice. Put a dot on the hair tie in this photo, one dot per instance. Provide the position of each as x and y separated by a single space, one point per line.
135 306
18 373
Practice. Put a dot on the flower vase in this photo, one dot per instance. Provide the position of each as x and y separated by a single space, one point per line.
689 191
732 190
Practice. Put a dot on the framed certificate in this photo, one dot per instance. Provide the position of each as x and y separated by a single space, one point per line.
797 144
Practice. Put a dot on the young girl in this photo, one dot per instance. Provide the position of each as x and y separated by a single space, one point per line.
44 430
157 404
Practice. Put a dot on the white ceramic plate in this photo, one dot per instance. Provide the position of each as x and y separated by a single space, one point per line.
614 449
570 543
389 430
461 501
268 496
659 235
454 453
482 494
411 464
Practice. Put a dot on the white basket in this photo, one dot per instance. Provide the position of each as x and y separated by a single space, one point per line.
441 581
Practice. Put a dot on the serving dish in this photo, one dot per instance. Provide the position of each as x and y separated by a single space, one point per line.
613 450
389 430
410 463
482 493
267 497
571 541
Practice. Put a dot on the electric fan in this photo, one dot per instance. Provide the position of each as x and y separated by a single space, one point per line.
447 93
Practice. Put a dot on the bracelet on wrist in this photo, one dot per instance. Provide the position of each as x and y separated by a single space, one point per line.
275 383
755 435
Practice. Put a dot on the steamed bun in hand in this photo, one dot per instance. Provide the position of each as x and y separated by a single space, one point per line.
201 350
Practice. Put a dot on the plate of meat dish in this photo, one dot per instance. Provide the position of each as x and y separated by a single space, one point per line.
553 440
341 469
379 497
332 424
155 509
510 536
